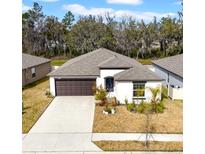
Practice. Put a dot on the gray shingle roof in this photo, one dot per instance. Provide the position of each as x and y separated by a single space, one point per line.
30 61
137 74
89 64
172 64
114 62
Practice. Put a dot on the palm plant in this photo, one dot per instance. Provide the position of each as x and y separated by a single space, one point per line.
155 99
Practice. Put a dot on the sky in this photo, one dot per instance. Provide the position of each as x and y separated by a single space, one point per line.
138 9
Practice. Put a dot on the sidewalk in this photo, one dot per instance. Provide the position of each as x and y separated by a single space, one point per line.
136 137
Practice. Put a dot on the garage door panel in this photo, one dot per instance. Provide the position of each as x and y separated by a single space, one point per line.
74 87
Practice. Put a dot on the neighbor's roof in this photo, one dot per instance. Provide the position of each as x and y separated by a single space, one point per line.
30 61
172 64
89 64
136 74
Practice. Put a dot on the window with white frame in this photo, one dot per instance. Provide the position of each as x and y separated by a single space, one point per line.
33 72
138 89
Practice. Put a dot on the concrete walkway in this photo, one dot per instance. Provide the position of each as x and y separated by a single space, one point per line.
66 126
136 136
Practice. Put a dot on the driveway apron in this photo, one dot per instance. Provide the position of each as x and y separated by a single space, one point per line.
65 126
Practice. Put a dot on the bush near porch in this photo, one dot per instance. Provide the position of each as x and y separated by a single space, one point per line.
124 121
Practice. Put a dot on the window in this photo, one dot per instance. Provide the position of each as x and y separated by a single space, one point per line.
138 89
33 72
109 84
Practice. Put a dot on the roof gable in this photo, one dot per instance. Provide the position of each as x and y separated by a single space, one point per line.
172 64
30 60
137 74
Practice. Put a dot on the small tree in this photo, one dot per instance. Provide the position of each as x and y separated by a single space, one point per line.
100 94
155 99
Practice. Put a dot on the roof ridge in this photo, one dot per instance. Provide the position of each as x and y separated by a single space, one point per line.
105 61
118 54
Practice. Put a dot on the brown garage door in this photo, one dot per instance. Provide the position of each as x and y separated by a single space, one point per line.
74 87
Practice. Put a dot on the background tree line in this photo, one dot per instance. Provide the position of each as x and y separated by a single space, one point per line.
47 36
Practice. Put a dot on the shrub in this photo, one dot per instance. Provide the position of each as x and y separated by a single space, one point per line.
114 102
103 102
160 107
100 94
48 94
144 107
164 92
108 109
154 101
131 107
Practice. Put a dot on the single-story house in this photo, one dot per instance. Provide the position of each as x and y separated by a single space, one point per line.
171 69
34 68
121 76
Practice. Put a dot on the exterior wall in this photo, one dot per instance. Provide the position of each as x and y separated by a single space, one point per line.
23 77
52 86
162 73
124 89
152 84
105 73
175 80
175 93
41 71
170 78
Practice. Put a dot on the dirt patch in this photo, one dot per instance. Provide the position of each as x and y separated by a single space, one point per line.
139 146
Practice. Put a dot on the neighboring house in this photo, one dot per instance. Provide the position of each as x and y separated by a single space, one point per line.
121 76
171 69
34 68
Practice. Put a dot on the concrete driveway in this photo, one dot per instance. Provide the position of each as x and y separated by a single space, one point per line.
66 126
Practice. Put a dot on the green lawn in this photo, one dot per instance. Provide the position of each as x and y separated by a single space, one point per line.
58 62
145 61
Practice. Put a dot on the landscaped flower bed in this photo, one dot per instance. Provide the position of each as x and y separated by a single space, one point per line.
171 121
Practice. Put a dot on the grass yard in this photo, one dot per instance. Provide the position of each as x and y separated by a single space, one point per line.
139 146
171 121
35 102
58 62
145 61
